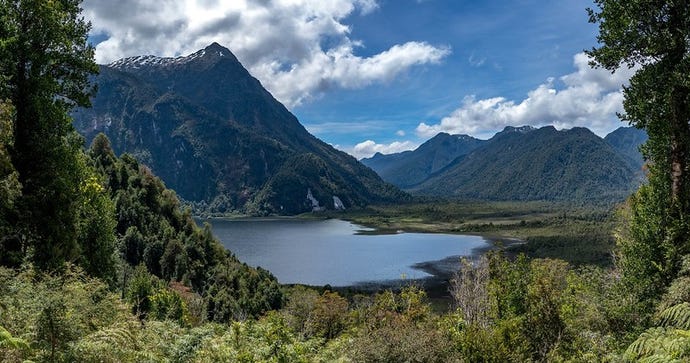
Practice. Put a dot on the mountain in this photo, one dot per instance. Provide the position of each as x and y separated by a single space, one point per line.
627 141
410 168
537 164
216 136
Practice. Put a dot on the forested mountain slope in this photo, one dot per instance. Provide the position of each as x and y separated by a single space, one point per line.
537 164
217 137
410 168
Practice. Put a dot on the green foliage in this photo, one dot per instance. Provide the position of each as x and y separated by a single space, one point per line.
45 62
508 285
396 328
677 316
669 342
154 232
11 253
544 322
50 312
11 348
96 228
167 304
298 309
235 291
139 292
647 257
653 36
329 315
540 310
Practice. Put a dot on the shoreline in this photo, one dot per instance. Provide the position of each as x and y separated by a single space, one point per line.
441 271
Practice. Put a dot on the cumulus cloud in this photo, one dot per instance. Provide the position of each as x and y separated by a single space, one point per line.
297 48
368 148
588 97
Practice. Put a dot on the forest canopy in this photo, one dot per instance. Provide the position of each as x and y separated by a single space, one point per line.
100 262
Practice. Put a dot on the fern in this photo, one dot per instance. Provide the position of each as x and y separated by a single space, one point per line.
659 359
119 336
677 316
7 340
669 342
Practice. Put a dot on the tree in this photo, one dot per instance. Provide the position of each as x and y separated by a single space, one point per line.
45 62
654 35
10 190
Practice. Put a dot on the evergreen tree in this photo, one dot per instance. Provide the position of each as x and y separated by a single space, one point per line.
10 247
653 35
45 62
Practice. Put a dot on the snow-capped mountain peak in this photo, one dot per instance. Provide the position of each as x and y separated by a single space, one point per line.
213 50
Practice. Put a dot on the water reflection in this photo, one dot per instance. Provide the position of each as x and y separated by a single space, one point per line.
333 251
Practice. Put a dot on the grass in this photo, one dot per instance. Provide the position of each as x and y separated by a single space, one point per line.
579 234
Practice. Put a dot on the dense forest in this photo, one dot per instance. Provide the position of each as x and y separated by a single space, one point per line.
101 264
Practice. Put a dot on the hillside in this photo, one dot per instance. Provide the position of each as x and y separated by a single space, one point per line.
627 141
537 164
410 168
217 137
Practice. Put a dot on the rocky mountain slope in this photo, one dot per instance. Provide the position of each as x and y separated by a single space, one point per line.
216 136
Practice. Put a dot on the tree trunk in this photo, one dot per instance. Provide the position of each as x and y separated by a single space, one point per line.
679 130
680 136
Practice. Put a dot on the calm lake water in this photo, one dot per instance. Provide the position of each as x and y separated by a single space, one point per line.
333 252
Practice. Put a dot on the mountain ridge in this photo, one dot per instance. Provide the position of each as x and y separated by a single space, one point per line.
525 163
410 168
217 137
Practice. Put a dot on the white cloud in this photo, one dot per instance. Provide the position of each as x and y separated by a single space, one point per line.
400 133
588 97
297 48
368 148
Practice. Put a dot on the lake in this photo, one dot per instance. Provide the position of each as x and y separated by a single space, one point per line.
320 252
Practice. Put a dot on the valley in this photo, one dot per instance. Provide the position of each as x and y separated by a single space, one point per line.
342 186
577 233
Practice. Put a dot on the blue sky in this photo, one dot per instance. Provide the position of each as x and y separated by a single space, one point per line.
368 75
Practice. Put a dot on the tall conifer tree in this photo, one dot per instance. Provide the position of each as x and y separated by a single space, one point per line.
45 62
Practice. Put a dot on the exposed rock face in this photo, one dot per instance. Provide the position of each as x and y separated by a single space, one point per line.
315 206
218 138
337 203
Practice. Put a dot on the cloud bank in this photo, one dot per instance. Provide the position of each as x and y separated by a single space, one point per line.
368 148
298 49
588 98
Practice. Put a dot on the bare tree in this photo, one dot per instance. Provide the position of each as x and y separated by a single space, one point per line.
470 291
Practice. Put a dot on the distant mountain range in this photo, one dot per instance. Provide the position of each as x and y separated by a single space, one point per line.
216 136
627 141
410 168
520 164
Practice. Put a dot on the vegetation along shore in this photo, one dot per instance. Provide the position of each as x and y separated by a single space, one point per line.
101 261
